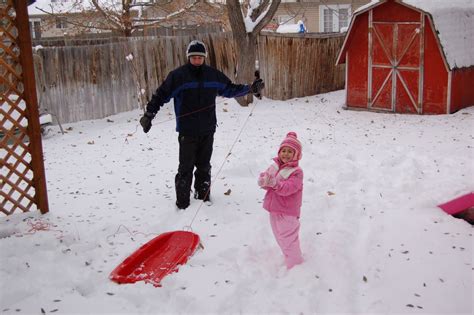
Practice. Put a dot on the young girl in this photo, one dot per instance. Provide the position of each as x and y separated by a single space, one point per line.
283 181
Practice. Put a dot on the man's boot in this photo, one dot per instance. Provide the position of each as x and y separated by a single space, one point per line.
203 191
183 189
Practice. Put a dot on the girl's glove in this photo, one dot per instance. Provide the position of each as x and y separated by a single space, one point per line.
271 182
266 180
261 180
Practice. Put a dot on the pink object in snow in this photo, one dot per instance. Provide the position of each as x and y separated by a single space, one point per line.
458 204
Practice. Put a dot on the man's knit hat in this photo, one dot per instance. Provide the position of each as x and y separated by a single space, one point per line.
292 141
196 48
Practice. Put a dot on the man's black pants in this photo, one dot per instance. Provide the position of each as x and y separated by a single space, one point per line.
194 151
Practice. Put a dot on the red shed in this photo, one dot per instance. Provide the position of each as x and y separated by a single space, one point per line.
410 56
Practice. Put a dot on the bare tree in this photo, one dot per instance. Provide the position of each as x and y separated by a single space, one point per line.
125 16
247 21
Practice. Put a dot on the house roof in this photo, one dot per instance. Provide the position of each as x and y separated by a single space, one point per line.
41 7
452 19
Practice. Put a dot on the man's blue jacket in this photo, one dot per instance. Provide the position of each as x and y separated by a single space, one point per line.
194 90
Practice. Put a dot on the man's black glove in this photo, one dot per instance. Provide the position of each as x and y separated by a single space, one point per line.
257 87
145 121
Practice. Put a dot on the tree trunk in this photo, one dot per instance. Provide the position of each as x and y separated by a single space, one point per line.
245 49
246 56
126 19
246 42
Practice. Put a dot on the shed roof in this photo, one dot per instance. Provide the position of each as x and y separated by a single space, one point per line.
454 22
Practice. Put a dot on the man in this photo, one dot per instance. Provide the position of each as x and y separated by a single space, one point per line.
194 88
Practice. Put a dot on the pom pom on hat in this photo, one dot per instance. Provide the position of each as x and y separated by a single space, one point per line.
196 48
292 141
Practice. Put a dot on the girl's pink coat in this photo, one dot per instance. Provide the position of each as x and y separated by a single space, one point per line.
286 196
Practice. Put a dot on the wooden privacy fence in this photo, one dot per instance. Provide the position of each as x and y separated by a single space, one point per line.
106 38
300 65
88 82
78 41
186 30
22 178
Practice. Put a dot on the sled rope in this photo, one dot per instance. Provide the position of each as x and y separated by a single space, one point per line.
131 233
171 119
221 167
40 225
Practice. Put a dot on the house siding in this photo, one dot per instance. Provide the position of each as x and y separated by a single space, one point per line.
49 29
308 11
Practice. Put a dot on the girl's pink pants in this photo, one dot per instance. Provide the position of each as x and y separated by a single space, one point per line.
286 230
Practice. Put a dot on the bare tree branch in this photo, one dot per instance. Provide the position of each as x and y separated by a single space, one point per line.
112 17
268 16
122 16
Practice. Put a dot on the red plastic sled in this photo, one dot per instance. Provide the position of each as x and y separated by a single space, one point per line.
458 204
157 258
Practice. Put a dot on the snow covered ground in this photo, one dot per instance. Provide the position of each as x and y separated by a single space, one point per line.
372 237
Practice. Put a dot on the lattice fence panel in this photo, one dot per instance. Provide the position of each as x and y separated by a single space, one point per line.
19 146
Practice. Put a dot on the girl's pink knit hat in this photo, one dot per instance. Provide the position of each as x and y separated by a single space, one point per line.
292 141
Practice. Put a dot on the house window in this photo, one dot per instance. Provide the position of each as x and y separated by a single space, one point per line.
343 18
334 17
61 22
35 29
328 20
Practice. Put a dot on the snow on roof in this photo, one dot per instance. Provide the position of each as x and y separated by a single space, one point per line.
366 6
291 28
454 21
43 6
